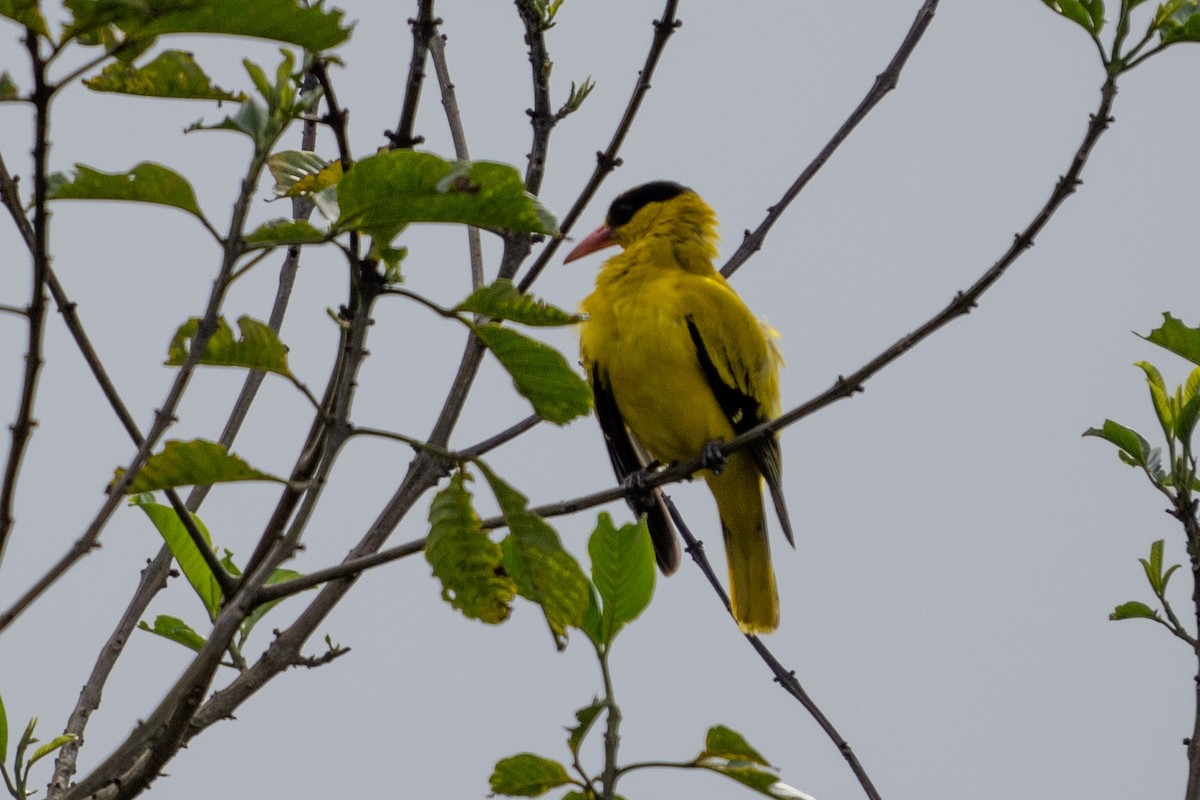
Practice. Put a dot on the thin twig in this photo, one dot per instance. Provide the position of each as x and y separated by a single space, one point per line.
786 678
607 160
153 579
540 116
22 428
424 27
884 83
437 53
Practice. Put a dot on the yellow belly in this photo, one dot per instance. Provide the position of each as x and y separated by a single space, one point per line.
648 359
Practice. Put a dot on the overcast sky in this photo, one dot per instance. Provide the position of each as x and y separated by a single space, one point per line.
959 545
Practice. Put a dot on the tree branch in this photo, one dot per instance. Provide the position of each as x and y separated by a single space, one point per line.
424 27
607 160
786 678
884 83
437 52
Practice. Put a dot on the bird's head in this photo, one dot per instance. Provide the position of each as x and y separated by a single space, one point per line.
635 212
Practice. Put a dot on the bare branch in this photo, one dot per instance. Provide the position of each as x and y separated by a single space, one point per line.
424 27
884 83
607 160
786 678
437 52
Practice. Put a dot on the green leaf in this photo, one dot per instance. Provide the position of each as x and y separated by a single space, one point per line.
501 300
288 21
27 13
259 348
281 232
3 733
1133 610
533 556
1153 567
252 119
539 373
623 572
464 559
8 89
145 183
301 173
1163 405
728 744
1134 448
50 746
176 630
173 73
1176 337
195 463
1178 21
527 775
385 192
756 778
1088 13
185 551
585 717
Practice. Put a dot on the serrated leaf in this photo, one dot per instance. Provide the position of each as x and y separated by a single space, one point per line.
464 559
501 300
728 744
622 571
282 232
27 13
1133 610
145 183
1178 21
176 630
172 73
534 558
312 28
1134 448
49 747
185 551
195 463
258 348
585 718
539 373
1088 13
527 775
8 89
385 192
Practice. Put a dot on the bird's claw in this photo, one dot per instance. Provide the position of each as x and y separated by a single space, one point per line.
712 458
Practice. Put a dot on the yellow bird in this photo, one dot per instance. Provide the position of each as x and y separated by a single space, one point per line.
677 361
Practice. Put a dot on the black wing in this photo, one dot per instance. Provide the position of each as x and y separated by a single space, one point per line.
745 412
628 458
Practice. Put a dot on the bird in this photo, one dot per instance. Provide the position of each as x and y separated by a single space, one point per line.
677 364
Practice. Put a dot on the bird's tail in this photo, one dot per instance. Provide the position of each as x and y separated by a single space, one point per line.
738 490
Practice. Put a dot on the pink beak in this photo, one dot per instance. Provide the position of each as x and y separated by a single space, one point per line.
598 239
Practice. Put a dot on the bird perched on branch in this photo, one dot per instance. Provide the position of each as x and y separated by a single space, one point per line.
678 362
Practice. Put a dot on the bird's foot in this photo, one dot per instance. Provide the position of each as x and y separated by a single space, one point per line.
712 458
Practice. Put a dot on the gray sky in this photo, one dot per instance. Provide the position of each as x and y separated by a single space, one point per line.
959 546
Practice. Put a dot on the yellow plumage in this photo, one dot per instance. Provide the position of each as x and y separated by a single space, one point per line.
676 359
